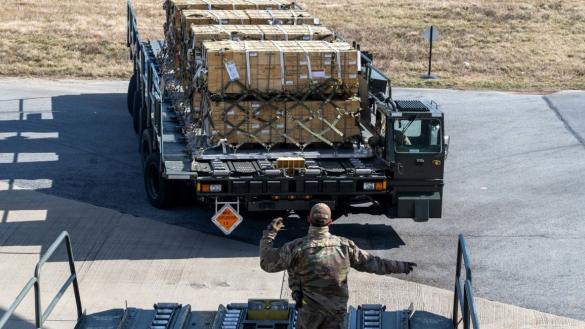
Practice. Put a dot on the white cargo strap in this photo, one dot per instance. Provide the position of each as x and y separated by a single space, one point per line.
281 56
248 80
271 16
260 31
216 16
294 16
208 5
311 32
234 4
338 56
238 16
307 57
283 31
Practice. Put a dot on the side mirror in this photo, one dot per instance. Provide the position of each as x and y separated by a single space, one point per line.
446 145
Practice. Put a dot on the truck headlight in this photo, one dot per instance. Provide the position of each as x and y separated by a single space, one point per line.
369 186
376 186
215 188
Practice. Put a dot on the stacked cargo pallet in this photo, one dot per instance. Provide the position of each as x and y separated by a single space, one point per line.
263 72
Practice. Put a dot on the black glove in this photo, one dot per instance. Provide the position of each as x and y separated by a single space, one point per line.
276 225
407 267
297 295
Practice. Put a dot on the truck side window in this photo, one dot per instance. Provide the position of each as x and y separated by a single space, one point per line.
417 136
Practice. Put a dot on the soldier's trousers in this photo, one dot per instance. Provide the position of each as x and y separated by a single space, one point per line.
315 320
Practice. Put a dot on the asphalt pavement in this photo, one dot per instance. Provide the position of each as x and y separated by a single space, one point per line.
514 183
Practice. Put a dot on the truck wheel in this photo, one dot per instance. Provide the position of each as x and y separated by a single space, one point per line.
145 145
158 189
142 119
136 110
130 95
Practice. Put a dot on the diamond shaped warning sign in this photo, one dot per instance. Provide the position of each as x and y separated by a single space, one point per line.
227 219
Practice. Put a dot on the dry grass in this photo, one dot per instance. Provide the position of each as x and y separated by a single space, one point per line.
71 38
495 44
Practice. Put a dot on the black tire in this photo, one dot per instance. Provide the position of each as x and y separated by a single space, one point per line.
130 96
159 190
137 106
145 148
142 117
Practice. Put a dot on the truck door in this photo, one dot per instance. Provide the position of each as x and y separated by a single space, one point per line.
418 148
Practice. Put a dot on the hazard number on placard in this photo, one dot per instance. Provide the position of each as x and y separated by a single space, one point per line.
227 219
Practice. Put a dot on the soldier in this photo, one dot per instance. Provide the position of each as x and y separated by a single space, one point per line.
317 267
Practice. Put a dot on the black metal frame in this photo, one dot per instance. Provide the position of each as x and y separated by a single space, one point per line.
464 294
40 315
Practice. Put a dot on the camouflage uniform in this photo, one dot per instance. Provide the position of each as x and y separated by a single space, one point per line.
317 265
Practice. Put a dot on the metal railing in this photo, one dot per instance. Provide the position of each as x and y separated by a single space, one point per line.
40 315
463 292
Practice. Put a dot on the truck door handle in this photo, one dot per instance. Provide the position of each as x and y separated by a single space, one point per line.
400 168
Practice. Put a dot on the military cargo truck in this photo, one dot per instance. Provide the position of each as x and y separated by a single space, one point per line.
260 140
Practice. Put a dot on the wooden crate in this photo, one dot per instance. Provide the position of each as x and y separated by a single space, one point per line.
175 7
231 4
200 33
280 17
344 116
251 122
334 122
279 66
226 122
301 120
241 17
267 123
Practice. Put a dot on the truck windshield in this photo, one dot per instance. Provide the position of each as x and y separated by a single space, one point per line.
417 136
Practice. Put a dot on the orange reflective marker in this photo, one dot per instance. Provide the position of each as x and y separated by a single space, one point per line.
227 219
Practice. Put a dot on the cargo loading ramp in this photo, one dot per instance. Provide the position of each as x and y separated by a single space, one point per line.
255 314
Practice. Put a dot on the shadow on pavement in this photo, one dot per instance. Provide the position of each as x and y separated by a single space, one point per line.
16 322
427 320
83 147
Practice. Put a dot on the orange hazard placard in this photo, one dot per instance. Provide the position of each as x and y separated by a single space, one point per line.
227 219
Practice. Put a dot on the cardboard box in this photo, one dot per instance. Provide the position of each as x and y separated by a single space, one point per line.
200 33
280 66
240 17
282 122
323 122
246 122
231 4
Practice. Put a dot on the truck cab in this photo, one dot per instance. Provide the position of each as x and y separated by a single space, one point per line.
409 136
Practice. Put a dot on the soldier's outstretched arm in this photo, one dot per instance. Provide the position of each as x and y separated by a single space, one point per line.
273 259
365 262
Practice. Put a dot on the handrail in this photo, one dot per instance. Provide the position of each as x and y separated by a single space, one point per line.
40 315
463 294
17 301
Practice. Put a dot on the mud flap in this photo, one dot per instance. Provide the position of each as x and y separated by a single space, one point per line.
421 207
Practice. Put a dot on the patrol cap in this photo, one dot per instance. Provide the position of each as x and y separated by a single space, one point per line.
320 215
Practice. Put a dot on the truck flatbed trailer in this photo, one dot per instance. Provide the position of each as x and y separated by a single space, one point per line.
253 314
397 165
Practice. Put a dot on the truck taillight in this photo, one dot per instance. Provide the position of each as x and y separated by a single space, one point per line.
206 188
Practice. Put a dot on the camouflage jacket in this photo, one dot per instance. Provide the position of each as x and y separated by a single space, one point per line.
318 264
